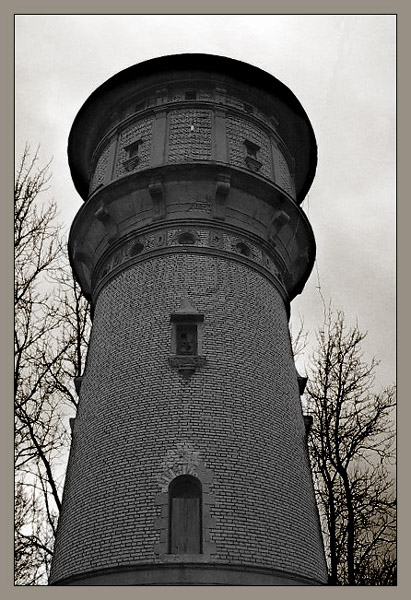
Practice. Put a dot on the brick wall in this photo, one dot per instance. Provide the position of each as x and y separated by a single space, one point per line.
100 171
141 130
240 415
190 135
283 175
239 130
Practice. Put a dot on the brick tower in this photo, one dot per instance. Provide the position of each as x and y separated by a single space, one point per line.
188 462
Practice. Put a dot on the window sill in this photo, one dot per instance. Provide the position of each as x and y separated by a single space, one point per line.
187 365
131 163
253 164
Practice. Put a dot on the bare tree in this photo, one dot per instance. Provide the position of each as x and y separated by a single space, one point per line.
351 441
351 446
51 329
298 336
74 332
32 543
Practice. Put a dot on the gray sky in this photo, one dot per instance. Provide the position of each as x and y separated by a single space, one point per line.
341 68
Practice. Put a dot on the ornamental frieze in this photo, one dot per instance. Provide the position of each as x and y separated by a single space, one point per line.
215 241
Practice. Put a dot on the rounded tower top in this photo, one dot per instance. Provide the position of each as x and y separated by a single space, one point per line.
251 88
192 141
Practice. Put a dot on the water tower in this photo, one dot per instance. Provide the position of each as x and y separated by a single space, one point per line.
188 463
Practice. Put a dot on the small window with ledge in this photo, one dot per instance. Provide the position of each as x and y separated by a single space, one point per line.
133 155
251 158
133 149
251 148
186 339
186 333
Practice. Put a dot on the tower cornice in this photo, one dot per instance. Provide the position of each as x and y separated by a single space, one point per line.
203 197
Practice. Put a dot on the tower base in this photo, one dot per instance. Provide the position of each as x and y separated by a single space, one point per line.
188 574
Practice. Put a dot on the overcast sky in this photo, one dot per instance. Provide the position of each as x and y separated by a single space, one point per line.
341 68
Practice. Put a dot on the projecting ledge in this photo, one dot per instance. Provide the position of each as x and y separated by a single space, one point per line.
187 365
189 573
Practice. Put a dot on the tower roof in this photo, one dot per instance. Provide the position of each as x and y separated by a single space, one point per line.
270 93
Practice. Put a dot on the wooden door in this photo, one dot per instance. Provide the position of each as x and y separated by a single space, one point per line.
185 517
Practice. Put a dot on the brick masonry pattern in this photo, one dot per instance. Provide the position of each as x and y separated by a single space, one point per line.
239 130
284 178
190 138
240 414
101 169
189 135
204 238
142 130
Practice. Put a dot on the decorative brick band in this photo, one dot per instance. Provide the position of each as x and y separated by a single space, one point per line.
188 239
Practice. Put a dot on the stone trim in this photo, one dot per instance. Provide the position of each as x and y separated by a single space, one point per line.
253 164
159 137
187 315
206 240
156 190
159 151
184 459
268 122
276 279
104 216
221 194
187 365
83 223
279 220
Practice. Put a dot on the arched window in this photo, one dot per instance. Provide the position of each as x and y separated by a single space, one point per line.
185 527
186 238
243 249
136 249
